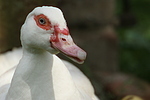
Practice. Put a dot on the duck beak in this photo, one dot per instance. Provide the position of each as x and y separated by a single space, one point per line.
62 41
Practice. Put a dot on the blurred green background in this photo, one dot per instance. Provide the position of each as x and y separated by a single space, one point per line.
134 37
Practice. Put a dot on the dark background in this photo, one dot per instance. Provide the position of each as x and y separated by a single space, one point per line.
114 33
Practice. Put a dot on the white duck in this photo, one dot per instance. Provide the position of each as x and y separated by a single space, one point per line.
40 74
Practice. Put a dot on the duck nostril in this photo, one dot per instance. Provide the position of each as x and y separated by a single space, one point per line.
63 39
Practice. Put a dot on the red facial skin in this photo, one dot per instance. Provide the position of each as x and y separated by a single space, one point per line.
57 42
54 37
46 26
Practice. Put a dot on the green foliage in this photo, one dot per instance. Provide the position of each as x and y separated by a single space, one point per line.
135 41
135 54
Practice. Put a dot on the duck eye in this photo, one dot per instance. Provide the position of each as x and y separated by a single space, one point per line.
42 21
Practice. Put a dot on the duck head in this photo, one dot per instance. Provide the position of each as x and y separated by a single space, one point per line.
45 29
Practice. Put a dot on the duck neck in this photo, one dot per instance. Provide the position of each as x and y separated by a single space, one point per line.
33 77
41 76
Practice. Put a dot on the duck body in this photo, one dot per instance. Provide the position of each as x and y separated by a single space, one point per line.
40 74
63 79
9 59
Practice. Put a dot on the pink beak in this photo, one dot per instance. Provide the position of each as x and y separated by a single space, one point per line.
62 41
